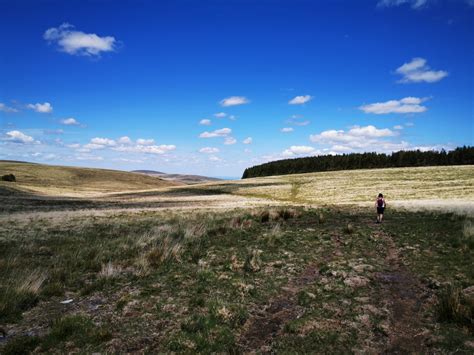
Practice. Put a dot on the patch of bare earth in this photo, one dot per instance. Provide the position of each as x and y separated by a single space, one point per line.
406 298
260 330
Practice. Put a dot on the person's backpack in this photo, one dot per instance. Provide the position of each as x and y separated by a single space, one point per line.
380 202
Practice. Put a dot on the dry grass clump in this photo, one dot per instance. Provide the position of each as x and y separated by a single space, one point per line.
272 237
454 307
349 228
468 234
32 282
321 218
166 250
253 262
110 270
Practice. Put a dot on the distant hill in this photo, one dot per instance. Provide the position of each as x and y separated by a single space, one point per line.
183 178
72 181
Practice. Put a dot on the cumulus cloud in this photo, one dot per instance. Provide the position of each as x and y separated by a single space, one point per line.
41 108
247 140
417 71
230 140
5 108
357 138
287 129
103 141
209 150
214 158
124 140
79 43
20 137
298 150
234 101
70 122
223 132
141 141
205 122
220 114
299 100
405 105
414 4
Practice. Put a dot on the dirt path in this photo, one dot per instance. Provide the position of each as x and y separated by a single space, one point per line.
405 297
264 327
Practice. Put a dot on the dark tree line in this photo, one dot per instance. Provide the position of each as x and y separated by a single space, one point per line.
459 156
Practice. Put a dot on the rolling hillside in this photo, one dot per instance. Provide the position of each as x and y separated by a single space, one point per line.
72 181
183 178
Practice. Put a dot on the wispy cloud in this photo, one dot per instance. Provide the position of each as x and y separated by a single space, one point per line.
230 140
405 105
415 4
234 101
287 129
142 141
247 140
298 120
205 122
220 114
70 122
5 108
223 132
299 100
209 150
79 43
417 71
41 108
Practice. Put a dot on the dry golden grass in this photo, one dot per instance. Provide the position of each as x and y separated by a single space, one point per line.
72 181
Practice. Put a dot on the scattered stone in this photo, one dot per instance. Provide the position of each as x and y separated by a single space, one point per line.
469 344
468 293
67 301
363 267
356 281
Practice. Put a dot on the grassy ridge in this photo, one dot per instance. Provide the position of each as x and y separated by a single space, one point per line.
57 180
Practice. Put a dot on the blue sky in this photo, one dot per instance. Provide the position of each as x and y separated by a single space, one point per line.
214 86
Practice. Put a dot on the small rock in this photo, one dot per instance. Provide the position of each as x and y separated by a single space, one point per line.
67 301
356 281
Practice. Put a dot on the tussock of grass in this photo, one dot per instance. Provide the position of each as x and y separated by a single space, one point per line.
454 307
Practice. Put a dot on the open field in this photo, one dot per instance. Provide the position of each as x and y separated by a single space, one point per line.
280 264
71 181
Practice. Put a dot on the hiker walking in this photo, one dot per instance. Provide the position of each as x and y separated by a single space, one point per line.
380 205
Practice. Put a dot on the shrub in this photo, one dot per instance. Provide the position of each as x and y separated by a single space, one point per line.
9 178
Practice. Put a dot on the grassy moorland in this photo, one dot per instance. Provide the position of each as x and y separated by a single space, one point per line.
71 181
183 270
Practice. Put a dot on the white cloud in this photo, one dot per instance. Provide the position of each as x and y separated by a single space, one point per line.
41 108
247 140
141 141
299 100
103 141
214 158
417 71
79 43
298 120
234 101
398 127
223 132
287 129
405 105
205 122
124 140
53 131
150 149
5 108
230 140
356 136
209 150
220 114
297 150
70 122
415 4
74 146
89 157
20 137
